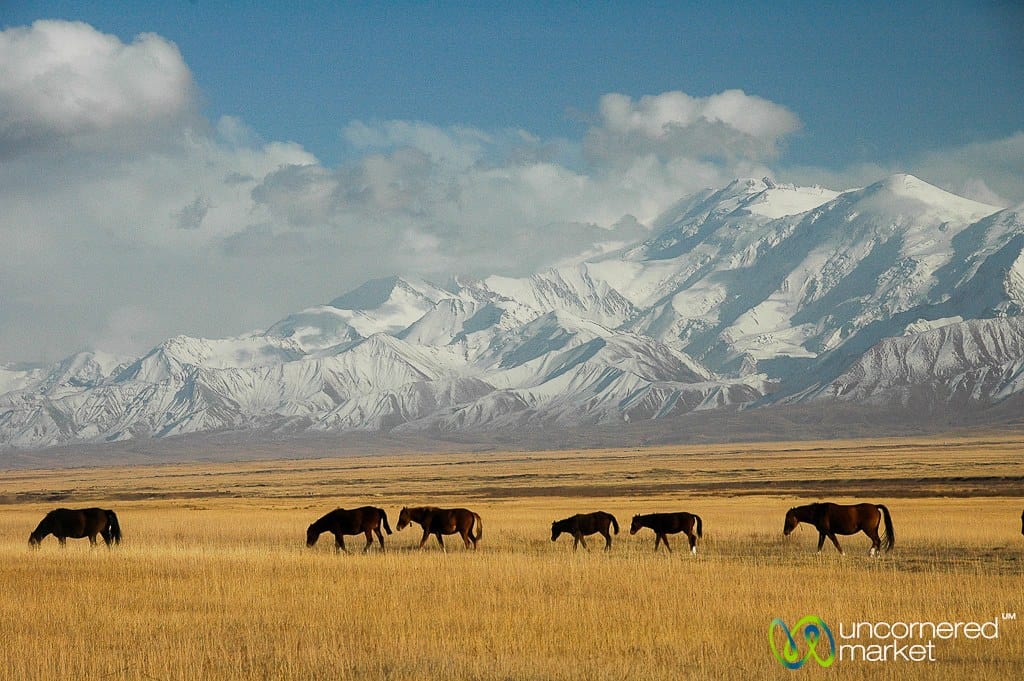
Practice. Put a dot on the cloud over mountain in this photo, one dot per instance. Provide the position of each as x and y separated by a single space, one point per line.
122 202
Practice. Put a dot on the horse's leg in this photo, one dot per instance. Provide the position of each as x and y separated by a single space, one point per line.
657 541
821 540
339 542
440 540
835 541
575 542
426 536
607 540
63 541
369 539
380 537
583 540
92 541
465 539
664 540
876 542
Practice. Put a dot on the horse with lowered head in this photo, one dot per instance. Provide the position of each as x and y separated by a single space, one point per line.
583 524
832 519
665 524
365 520
65 523
441 521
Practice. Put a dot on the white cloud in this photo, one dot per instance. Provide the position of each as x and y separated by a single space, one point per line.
60 81
729 125
164 223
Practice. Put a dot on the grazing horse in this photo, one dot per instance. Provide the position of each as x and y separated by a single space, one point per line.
583 524
441 521
832 519
670 523
76 524
339 522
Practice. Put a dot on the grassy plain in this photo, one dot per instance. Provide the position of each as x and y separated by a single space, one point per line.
213 579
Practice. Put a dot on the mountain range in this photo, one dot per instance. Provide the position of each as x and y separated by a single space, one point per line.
898 295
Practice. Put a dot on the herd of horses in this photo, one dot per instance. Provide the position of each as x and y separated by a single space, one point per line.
828 518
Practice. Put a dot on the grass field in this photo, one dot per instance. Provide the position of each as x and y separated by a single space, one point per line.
213 579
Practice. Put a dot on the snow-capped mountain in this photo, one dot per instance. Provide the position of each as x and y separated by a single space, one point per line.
758 293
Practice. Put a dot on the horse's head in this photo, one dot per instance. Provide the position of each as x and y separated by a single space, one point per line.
403 519
556 531
791 522
311 535
44 528
635 526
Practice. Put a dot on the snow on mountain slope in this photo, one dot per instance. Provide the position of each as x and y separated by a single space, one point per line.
19 377
733 287
378 306
757 293
978 361
569 289
175 357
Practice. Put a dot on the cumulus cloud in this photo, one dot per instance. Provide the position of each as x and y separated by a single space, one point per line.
730 125
64 81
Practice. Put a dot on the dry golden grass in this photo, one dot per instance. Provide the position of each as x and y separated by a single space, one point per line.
214 581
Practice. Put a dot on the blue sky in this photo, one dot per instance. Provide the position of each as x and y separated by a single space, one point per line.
207 168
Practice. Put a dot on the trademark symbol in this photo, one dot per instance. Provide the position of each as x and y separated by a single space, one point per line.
1009 616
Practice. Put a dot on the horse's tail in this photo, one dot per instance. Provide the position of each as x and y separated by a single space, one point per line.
114 526
615 524
890 538
478 525
700 525
384 519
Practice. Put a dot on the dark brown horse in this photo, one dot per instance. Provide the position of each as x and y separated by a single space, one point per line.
441 521
832 519
64 523
665 524
583 524
339 522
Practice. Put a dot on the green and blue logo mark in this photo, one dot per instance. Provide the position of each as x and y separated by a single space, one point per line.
814 634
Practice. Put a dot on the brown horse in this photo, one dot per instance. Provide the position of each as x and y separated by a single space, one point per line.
441 521
339 522
832 519
64 523
665 524
583 524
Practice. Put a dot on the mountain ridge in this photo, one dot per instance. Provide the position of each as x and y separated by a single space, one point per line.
751 295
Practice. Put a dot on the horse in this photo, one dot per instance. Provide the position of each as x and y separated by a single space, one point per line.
441 521
583 524
670 523
339 522
76 524
832 519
